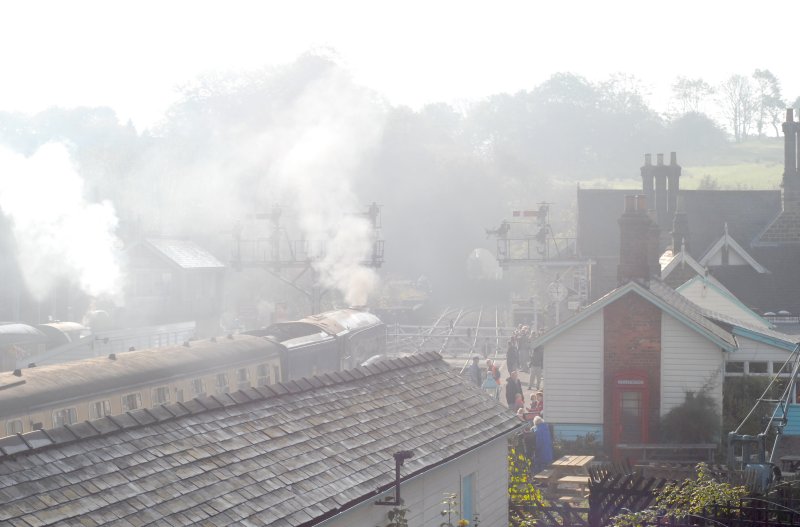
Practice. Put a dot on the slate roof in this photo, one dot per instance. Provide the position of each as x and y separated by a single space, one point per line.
746 213
287 454
661 296
185 253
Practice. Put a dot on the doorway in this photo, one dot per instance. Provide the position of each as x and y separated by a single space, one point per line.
630 412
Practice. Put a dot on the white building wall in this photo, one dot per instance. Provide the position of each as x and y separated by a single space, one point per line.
573 373
424 494
752 350
689 362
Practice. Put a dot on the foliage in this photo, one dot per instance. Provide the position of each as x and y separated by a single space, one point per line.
696 420
740 395
681 499
521 490
397 517
451 511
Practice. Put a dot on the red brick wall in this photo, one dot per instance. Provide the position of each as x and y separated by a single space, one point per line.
632 342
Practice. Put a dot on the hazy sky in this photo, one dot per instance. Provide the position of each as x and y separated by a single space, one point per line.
133 56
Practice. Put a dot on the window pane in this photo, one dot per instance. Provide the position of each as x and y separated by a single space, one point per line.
758 367
14 427
734 367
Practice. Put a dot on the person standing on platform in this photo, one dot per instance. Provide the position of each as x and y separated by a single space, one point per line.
536 368
474 373
513 387
512 355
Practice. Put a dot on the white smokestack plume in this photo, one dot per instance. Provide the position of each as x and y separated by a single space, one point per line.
333 129
58 234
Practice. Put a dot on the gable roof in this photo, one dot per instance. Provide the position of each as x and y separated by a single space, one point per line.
287 454
683 258
184 253
727 241
663 297
743 312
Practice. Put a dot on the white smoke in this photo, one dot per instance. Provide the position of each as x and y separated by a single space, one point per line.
58 234
332 133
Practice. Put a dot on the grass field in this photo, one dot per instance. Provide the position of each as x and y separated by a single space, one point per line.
756 164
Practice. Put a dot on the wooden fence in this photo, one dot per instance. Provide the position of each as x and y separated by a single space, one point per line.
614 489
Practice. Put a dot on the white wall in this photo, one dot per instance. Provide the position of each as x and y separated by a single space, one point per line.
688 363
752 350
573 373
424 494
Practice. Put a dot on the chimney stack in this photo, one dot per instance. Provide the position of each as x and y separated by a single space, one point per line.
673 180
647 178
791 171
638 258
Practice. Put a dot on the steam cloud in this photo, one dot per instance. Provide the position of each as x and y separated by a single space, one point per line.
58 234
334 126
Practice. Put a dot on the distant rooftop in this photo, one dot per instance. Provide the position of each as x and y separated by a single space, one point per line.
185 253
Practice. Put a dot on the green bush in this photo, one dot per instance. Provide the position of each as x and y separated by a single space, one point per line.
694 421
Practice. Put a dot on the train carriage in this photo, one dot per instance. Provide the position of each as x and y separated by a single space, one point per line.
49 396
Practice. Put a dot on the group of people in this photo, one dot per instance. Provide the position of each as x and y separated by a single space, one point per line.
489 380
521 353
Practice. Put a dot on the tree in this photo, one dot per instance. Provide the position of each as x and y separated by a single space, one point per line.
738 104
769 101
690 93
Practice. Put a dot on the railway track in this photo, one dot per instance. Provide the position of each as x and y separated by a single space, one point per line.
457 333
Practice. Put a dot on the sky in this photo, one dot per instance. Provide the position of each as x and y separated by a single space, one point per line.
135 56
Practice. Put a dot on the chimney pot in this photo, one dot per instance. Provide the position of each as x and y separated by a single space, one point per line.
789 115
641 202
673 158
660 159
630 203
648 159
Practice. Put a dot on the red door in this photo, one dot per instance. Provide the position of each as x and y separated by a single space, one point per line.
630 410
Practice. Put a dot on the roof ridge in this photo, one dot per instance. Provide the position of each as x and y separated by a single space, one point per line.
38 440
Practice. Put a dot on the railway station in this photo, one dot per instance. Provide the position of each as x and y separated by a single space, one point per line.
309 292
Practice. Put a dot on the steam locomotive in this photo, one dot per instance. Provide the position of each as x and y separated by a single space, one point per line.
51 396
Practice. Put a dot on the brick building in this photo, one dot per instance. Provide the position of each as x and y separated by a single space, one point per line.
749 240
617 367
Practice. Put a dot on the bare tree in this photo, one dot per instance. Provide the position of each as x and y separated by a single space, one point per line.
689 93
738 102
769 101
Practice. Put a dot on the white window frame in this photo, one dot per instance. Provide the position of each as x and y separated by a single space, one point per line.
70 412
262 375
137 397
12 431
201 383
223 383
104 405
242 383
159 401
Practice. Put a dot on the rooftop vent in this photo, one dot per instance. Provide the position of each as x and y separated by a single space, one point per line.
18 373
31 365
112 356
186 344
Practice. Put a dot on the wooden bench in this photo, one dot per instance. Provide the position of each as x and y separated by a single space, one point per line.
579 483
545 476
